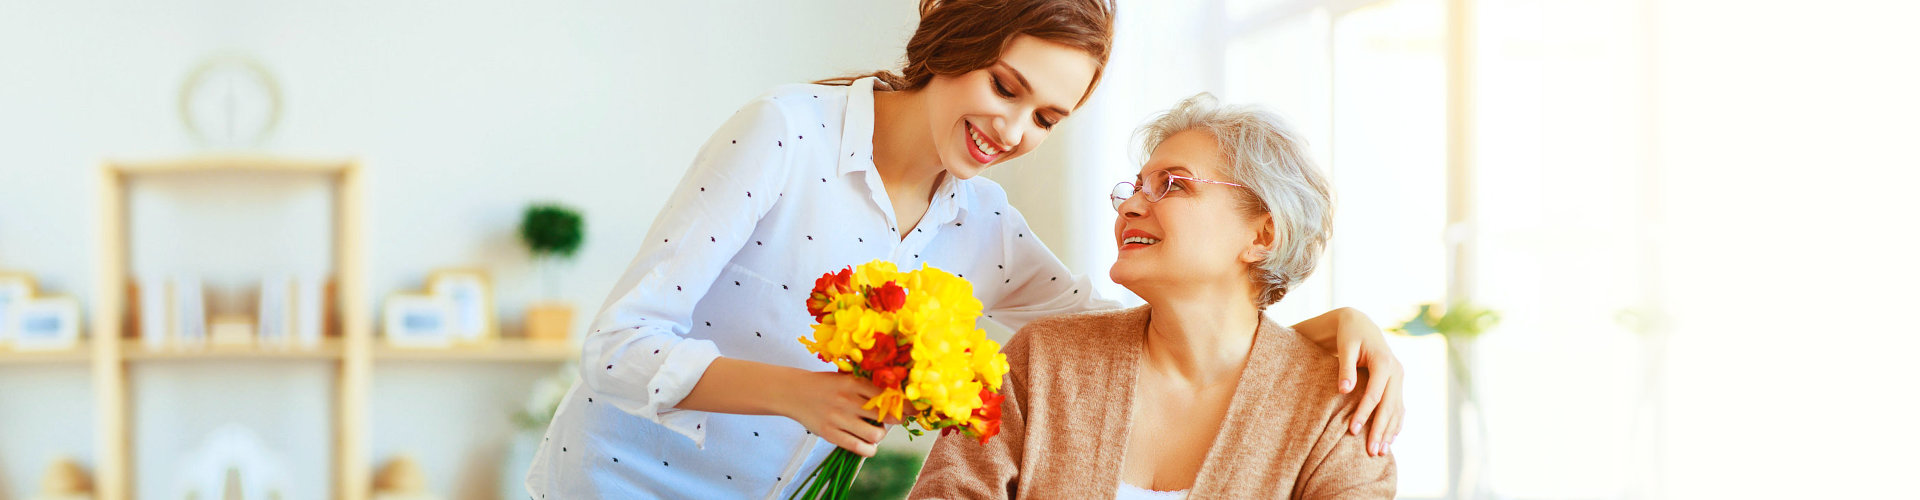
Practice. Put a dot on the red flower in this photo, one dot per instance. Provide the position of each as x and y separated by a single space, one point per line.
818 301
889 377
881 354
843 280
887 298
992 429
903 357
988 414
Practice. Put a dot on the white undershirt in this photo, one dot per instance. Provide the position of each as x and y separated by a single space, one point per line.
1131 492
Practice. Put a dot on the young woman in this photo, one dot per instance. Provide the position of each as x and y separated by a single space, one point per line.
692 382
1196 393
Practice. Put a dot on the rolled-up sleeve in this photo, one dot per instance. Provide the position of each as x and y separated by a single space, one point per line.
1041 285
637 355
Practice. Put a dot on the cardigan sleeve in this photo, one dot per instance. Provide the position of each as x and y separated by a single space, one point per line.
1339 467
959 467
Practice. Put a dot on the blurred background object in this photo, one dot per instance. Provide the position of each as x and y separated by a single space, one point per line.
65 480
552 233
401 479
1693 216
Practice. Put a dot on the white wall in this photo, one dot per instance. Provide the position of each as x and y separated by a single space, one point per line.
1063 187
463 113
45 413
1785 141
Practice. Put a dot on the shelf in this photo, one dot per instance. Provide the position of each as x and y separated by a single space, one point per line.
75 355
232 163
502 350
134 350
348 346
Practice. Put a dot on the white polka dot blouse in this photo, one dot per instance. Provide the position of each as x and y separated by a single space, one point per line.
783 192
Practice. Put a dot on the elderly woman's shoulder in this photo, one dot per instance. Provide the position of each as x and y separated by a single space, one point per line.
1081 329
1297 366
1298 353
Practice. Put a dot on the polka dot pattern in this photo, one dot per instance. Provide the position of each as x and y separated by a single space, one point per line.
705 298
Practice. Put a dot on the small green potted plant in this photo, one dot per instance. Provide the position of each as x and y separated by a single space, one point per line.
552 233
1460 323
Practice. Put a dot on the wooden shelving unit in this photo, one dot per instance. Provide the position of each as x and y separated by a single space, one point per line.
503 350
330 348
75 355
112 348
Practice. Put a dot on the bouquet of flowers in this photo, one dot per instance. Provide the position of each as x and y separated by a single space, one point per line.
911 334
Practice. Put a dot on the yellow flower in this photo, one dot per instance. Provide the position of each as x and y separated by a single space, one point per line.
988 362
947 385
854 328
909 321
823 335
891 401
952 359
875 273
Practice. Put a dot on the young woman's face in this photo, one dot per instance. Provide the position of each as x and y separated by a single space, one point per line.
994 114
1196 234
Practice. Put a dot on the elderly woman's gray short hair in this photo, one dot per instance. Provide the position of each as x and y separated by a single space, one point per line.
1262 153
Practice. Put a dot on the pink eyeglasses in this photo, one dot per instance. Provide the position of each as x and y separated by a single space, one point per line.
1165 181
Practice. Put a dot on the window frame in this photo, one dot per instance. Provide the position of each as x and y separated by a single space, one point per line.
1459 155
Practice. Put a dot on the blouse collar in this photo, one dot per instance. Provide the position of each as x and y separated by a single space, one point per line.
950 201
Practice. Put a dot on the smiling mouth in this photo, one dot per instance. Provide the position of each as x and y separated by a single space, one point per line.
981 150
1137 242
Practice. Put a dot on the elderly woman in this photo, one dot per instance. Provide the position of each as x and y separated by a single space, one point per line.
1196 393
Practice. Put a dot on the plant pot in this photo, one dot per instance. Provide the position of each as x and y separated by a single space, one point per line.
550 321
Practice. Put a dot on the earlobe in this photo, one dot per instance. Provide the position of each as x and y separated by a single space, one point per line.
1263 243
1254 256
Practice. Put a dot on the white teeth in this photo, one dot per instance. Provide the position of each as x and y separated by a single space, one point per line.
1139 239
980 143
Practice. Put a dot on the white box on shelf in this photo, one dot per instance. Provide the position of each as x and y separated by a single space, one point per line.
231 330
416 321
46 324
156 312
472 295
189 313
14 289
309 304
276 312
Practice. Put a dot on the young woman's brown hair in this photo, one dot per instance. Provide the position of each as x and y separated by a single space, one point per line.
958 36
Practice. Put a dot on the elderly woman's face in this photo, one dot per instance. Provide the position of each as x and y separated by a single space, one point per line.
1196 235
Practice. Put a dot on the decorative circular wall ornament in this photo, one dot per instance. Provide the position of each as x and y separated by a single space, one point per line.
230 101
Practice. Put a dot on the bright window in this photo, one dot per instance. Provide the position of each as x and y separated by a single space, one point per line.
1367 89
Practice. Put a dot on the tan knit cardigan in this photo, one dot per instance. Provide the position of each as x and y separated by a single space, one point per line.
1069 411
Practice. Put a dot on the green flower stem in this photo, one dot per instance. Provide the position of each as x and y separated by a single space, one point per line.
806 483
849 465
832 479
830 468
827 476
853 470
833 466
837 483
